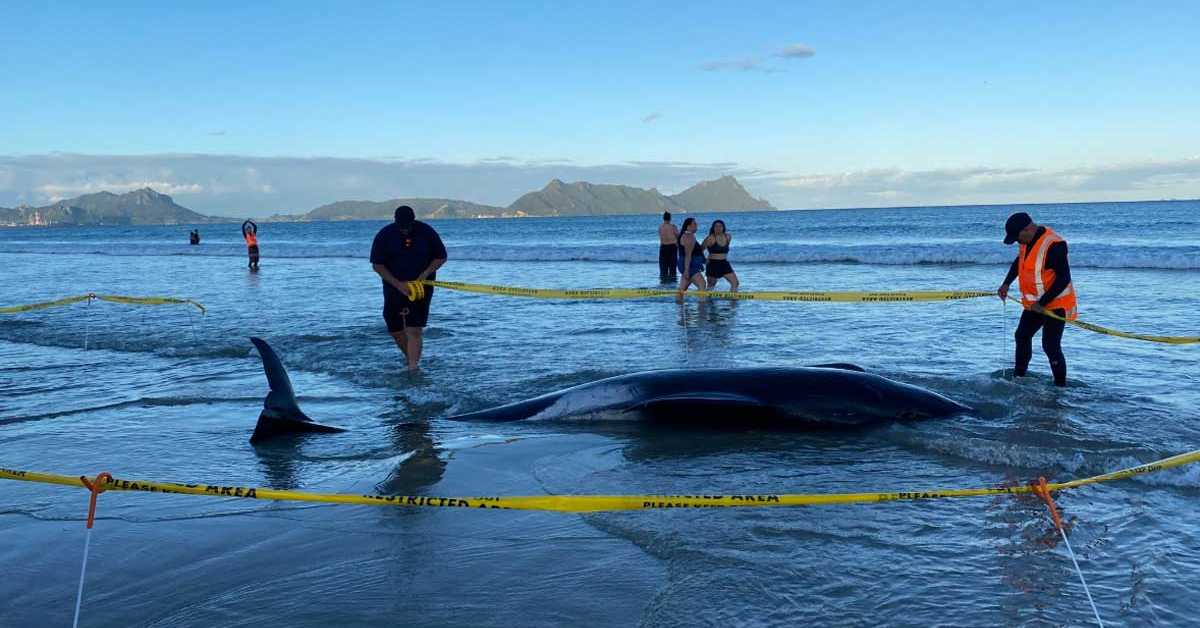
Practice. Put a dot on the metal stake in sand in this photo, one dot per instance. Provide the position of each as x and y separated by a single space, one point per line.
96 487
1044 493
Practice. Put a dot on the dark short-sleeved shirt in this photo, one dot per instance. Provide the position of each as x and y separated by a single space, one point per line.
406 256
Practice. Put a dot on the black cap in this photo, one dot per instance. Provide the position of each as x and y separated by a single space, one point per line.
405 216
1015 224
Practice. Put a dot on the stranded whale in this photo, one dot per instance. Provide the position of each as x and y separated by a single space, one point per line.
281 414
815 396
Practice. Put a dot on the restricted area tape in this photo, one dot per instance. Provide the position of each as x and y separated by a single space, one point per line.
111 298
649 293
1170 340
589 503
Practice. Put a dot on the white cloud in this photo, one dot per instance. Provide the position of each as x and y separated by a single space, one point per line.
259 186
796 51
1147 180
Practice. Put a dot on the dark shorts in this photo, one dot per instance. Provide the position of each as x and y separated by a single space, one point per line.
718 268
253 251
697 266
399 312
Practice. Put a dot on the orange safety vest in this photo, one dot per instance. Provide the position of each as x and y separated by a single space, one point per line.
251 239
1035 278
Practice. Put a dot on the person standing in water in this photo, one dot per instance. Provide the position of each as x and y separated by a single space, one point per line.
194 237
668 249
717 243
691 259
250 234
1045 283
407 251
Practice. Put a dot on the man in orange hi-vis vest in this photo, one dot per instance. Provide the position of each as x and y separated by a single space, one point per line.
1045 283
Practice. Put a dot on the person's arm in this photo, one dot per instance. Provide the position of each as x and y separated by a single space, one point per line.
688 245
379 264
439 255
1008 279
1056 260
390 279
432 268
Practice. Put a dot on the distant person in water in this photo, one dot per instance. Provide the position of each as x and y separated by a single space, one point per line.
691 259
717 243
404 252
668 249
1044 278
250 234
194 237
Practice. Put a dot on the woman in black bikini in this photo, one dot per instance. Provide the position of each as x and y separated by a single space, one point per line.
717 244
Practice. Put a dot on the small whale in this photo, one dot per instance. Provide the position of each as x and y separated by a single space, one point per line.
281 415
829 395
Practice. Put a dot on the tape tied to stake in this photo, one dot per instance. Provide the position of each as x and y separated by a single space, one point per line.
111 298
592 503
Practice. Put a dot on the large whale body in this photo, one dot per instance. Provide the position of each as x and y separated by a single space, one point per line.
800 397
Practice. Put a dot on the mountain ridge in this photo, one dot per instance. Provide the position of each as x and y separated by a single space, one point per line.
145 206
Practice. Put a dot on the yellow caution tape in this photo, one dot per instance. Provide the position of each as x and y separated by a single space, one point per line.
647 293
416 290
14 309
589 503
1171 340
112 298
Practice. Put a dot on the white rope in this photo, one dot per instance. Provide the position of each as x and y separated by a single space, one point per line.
87 322
87 544
1004 340
1079 571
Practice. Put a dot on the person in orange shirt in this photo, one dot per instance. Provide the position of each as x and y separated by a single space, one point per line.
1045 283
250 234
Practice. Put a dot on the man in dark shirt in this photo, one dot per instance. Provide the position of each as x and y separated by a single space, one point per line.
1021 228
407 250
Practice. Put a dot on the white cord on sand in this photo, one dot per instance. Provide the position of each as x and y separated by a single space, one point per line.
87 544
1079 571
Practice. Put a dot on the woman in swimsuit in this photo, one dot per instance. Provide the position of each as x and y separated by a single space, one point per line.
691 259
717 244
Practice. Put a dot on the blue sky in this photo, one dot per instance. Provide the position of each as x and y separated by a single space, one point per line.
898 103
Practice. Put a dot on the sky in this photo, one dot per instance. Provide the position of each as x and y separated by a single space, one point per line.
258 108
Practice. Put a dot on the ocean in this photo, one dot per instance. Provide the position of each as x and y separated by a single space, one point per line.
163 393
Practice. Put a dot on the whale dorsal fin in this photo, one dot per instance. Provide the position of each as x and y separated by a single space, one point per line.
281 398
281 414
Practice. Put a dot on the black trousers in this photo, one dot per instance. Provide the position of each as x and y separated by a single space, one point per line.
667 261
1052 332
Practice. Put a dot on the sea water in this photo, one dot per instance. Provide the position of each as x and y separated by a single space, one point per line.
163 393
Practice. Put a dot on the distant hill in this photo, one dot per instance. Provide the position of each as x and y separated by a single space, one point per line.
139 207
589 199
147 207
724 194
425 208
